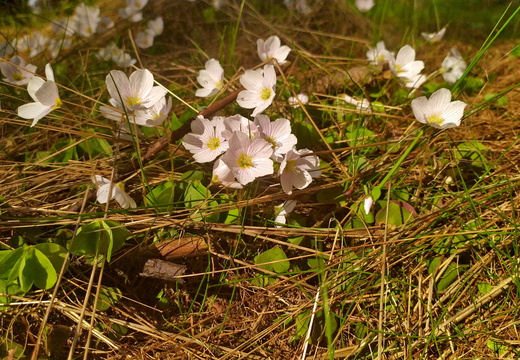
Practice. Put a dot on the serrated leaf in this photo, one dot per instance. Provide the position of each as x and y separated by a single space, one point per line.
280 265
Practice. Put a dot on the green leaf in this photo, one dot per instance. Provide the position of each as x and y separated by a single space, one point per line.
99 238
484 288
9 263
55 253
108 297
397 214
496 347
39 270
306 134
163 196
275 254
195 193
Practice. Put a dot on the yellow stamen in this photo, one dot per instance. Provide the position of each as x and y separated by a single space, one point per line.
213 143
245 161
133 100
265 94
435 119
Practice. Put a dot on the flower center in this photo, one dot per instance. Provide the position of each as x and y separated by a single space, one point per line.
271 141
218 84
57 103
245 161
435 119
213 143
290 166
398 69
17 76
265 94
133 100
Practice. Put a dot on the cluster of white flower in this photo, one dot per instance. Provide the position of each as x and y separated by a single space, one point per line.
144 39
408 70
135 99
249 149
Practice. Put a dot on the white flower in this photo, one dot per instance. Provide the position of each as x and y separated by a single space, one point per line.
415 81
406 67
453 66
123 59
379 54
35 44
131 14
211 79
283 210
435 36
154 115
144 39
16 71
271 49
260 88
156 26
136 5
300 6
86 19
105 23
6 49
297 171
57 45
438 111
223 175
205 141
367 204
45 96
362 104
248 158
364 5
136 92
299 99
239 123
277 133
107 191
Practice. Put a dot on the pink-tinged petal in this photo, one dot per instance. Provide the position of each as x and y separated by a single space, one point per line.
206 92
280 128
454 112
47 94
192 143
260 148
261 49
213 67
154 95
269 76
261 107
248 99
252 79
421 109
122 198
102 195
198 125
33 111
99 180
263 167
49 73
281 54
141 81
206 155
272 43
405 55
34 84
440 100
118 86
